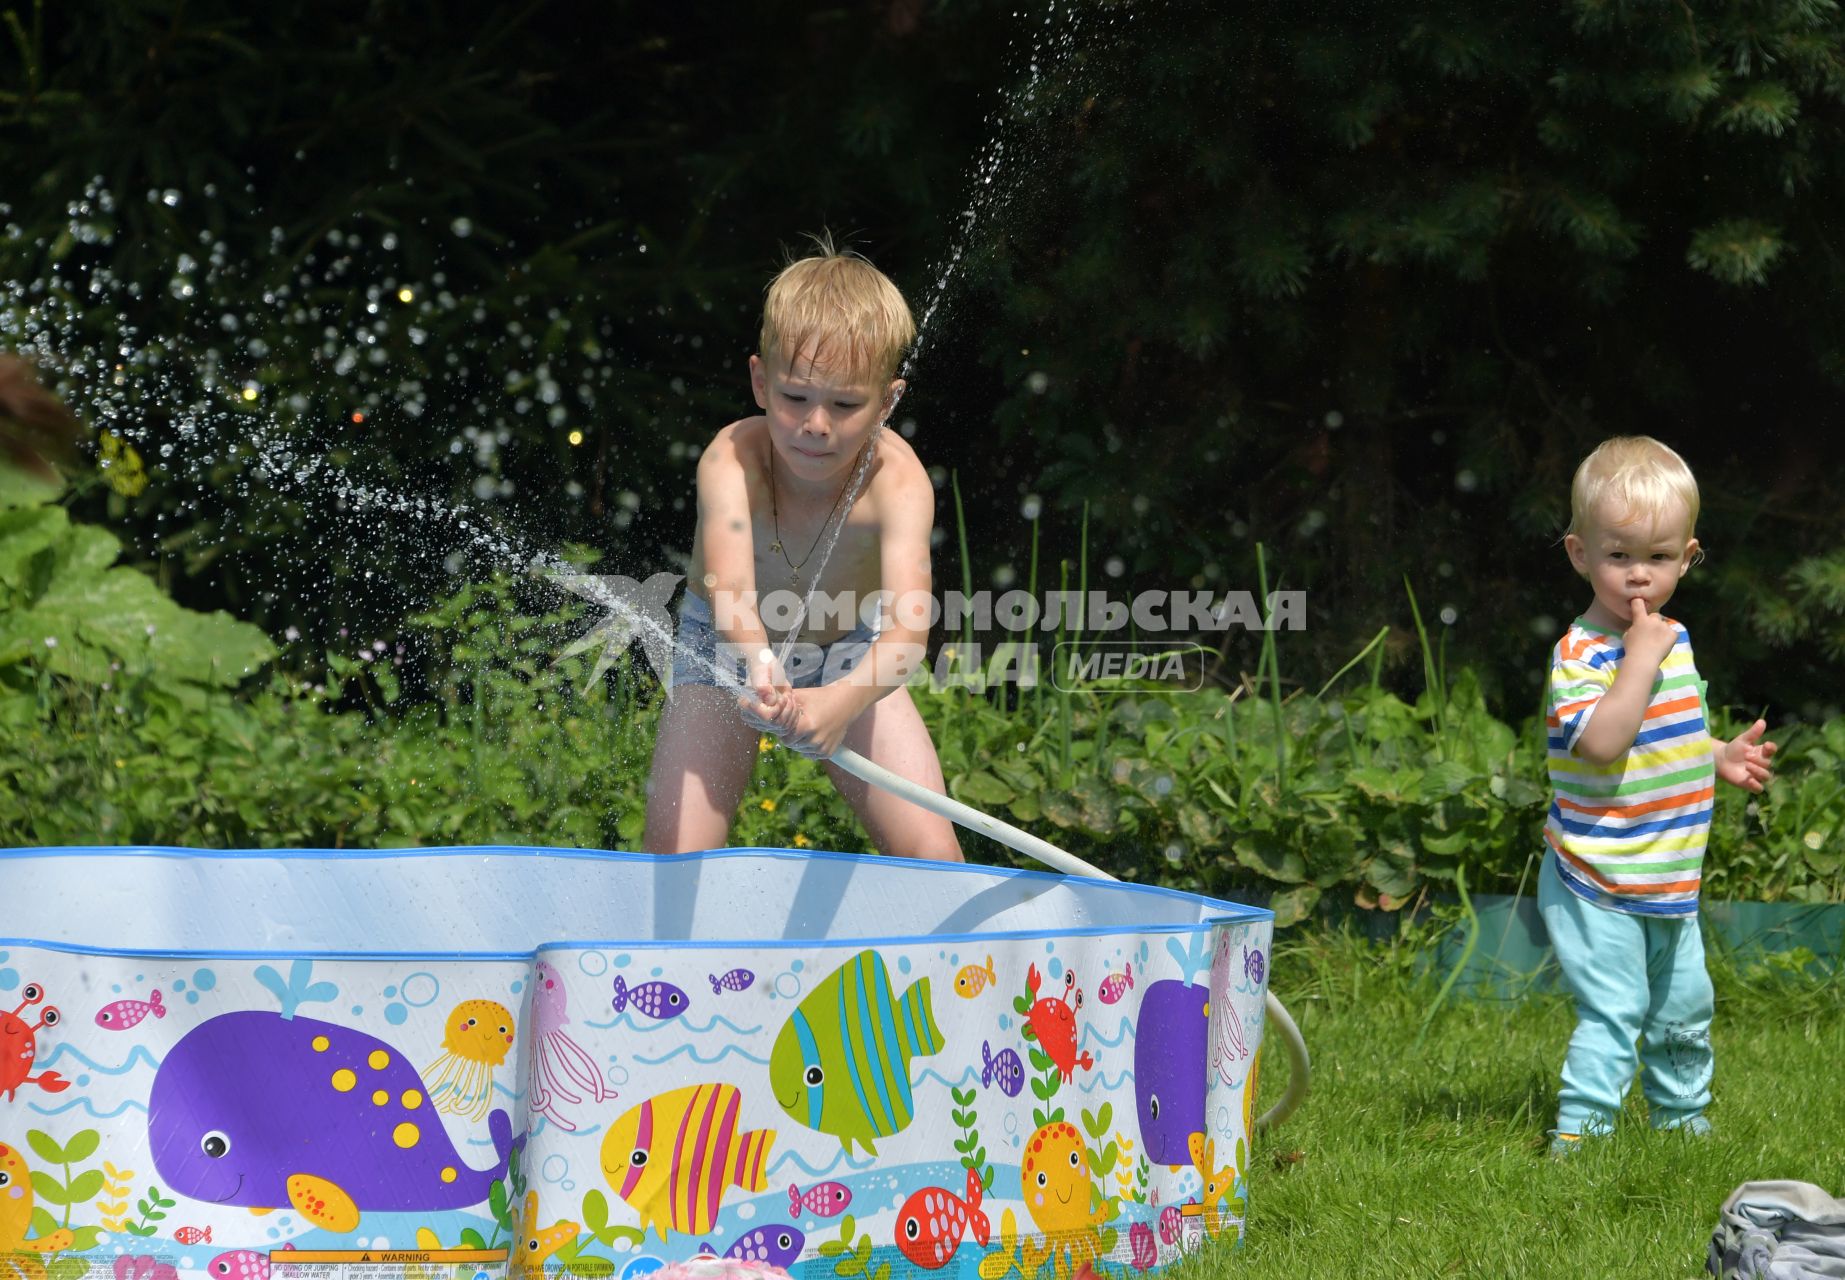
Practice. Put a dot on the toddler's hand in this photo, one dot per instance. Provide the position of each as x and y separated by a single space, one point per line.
1649 637
1744 761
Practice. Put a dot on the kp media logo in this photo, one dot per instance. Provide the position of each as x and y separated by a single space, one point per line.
1087 667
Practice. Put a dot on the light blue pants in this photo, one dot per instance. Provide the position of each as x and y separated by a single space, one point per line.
1634 978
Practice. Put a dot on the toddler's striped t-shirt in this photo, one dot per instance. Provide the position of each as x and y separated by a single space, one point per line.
1630 834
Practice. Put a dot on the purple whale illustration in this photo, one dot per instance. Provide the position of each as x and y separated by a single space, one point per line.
1169 1068
254 1109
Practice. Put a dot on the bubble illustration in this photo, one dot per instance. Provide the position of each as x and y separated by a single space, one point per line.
593 963
420 990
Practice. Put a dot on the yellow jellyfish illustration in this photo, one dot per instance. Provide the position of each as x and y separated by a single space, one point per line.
477 1035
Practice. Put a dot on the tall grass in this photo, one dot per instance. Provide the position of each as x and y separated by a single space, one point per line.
1429 1159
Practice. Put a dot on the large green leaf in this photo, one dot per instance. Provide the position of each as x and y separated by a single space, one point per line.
982 790
1270 857
24 533
1294 905
45 1146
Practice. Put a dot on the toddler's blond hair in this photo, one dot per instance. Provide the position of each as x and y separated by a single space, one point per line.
839 308
1639 472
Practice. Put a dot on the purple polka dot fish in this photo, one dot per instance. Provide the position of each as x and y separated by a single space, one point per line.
735 980
660 1000
776 1246
1255 968
823 1199
123 1014
1006 1069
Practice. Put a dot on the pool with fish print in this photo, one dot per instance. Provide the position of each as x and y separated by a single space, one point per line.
494 1060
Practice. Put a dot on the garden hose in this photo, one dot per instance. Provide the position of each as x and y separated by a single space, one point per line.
1058 860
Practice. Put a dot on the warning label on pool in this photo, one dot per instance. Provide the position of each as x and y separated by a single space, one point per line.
386 1264
321 1264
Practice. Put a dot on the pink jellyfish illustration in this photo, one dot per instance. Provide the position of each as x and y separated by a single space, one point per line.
1228 1044
561 1071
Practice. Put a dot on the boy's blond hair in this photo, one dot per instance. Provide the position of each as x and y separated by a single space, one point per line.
837 307
1642 474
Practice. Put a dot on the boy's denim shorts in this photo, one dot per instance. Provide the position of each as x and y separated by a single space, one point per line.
696 651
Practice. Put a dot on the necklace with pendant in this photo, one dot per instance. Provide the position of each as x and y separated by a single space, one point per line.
794 570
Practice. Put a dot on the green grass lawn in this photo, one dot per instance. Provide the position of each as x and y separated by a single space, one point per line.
1427 1157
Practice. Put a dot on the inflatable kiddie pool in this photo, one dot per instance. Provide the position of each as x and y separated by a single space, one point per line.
459 1061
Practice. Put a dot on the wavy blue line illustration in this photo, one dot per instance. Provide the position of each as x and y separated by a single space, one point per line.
649 1026
1099 1080
692 1051
1092 1036
969 1077
140 1053
129 1105
811 1171
720 1020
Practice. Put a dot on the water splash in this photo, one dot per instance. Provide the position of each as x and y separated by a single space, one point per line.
200 404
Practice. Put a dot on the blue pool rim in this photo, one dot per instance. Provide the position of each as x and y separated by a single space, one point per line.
1231 912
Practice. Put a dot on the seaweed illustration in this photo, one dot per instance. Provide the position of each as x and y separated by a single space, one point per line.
118 1185
973 1154
503 1195
1132 1173
1143 1172
1102 1161
1045 1086
853 1259
300 989
78 1186
153 1209
1011 1254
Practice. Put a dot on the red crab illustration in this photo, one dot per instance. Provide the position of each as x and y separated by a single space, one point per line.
1053 1021
19 1046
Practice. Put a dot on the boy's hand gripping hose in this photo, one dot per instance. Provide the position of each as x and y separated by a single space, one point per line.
1058 860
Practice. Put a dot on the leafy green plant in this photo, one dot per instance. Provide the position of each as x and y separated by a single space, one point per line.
973 1153
67 609
78 1185
152 1209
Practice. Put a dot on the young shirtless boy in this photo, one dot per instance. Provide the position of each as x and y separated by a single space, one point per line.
772 489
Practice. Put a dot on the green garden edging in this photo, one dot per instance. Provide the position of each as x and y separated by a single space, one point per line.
1512 956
